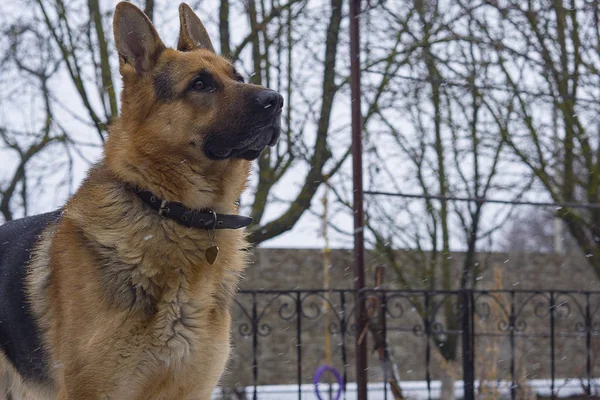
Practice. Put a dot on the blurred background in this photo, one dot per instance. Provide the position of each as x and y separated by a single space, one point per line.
481 153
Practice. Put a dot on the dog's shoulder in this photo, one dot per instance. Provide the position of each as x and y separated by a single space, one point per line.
20 337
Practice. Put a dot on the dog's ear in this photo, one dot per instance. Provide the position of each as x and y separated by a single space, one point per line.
192 33
137 41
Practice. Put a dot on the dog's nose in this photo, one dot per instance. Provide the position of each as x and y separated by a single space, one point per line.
269 100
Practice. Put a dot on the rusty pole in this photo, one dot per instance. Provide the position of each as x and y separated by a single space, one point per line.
359 241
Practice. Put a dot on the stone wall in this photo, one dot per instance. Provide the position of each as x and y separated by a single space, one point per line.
303 268
277 346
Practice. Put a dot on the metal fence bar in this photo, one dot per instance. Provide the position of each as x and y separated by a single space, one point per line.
299 340
343 343
511 327
254 326
588 344
485 200
383 318
552 366
415 291
428 346
467 342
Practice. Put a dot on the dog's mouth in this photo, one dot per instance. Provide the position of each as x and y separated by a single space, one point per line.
249 147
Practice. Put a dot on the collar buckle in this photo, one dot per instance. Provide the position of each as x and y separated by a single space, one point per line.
216 220
163 208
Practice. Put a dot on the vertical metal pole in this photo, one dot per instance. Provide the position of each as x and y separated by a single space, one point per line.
359 249
326 264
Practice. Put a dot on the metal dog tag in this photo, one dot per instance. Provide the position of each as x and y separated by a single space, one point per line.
211 254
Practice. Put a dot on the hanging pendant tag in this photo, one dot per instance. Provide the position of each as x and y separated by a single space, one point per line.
211 254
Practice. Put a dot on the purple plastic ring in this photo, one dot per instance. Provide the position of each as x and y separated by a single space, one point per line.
319 374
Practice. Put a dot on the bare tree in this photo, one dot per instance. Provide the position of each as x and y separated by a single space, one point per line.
432 135
547 63
535 230
24 144
278 34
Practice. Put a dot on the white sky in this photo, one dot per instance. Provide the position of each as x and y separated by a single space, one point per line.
22 111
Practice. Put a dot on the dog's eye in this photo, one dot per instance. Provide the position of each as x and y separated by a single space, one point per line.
239 78
199 85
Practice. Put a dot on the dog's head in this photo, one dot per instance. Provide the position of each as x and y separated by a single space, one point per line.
190 101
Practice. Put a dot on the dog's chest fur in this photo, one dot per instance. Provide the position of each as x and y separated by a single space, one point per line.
162 274
149 270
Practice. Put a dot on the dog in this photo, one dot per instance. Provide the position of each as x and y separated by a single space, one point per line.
125 292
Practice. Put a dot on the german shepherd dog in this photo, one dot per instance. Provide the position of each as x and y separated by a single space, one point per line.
125 292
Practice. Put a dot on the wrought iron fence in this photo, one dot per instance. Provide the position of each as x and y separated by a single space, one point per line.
497 343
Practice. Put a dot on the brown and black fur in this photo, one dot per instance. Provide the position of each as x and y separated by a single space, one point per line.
105 299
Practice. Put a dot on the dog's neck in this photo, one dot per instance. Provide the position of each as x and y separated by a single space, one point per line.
166 261
198 184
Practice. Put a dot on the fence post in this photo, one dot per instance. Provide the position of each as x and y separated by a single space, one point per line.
358 207
468 343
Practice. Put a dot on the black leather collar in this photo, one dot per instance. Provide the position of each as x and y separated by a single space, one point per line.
192 218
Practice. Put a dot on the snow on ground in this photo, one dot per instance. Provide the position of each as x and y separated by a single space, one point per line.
413 390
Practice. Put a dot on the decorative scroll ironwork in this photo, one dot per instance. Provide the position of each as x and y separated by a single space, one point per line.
409 306
431 316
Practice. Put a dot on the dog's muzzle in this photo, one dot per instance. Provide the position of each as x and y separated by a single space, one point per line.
262 129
